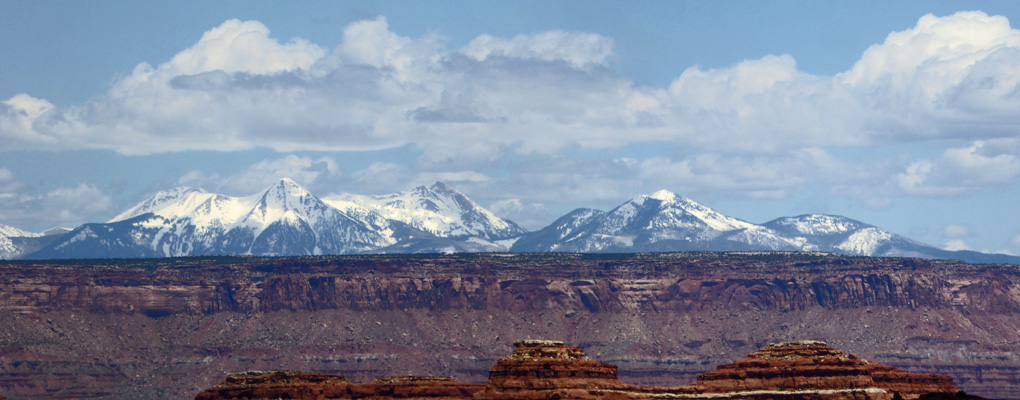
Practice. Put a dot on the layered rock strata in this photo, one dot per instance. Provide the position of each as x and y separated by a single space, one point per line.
811 367
165 329
301 385
277 385
548 369
542 369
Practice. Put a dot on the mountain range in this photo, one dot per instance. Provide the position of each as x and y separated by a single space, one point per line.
286 219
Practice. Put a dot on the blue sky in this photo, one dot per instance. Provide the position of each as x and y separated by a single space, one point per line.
901 114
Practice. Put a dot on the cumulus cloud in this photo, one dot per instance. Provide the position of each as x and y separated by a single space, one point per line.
956 245
312 173
579 49
8 183
760 128
238 87
954 231
959 170
63 207
529 215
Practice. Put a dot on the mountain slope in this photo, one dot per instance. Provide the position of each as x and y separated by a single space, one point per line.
284 219
662 221
837 234
437 209
15 243
8 238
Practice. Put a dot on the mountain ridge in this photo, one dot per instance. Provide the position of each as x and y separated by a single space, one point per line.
286 219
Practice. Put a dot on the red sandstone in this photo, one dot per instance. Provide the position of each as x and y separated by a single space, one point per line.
540 369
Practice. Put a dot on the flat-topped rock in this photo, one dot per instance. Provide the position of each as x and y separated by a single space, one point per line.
548 369
813 366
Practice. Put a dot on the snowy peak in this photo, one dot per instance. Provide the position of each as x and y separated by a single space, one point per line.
158 202
437 209
15 242
441 198
662 221
663 196
285 193
10 231
816 224
840 234
665 209
285 199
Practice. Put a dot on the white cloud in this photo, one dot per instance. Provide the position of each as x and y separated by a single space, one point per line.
65 207
17 116
531 216
8 183
960 170
306 171
761 128
956 245
579 49
953 231
242 46
239 88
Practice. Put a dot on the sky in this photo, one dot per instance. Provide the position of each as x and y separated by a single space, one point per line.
904 115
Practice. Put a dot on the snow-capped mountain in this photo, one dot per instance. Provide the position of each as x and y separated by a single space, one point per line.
437 209
283 219
662 221
8 249
837 234
15 242
550 238
286 219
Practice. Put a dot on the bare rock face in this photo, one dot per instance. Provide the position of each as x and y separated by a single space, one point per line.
298 385
168 328
415 387
545 369
277 384
541 369
812 367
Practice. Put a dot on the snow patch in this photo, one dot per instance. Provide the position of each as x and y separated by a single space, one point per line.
865 242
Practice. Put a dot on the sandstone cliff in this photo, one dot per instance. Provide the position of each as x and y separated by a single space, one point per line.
147 329
542 369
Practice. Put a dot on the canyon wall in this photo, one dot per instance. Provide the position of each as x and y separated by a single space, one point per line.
167 328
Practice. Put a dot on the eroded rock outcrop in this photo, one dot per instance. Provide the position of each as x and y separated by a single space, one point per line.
810 367
277 385
544 369
146 328
254 385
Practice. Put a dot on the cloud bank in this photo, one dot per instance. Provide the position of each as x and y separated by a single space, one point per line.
238 88
760 128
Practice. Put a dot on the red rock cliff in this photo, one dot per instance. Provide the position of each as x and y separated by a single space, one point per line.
140 329
542 369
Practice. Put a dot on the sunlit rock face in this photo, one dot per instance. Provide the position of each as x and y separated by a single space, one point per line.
548 369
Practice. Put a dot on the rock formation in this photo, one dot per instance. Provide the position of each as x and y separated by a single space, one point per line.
302 385
544 369
813 367
277 384
548 369
168 328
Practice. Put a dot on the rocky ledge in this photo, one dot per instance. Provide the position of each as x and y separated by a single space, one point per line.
543 369
812 367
